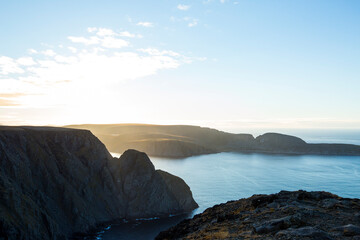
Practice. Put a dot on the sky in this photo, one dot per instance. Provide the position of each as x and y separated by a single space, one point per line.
217 63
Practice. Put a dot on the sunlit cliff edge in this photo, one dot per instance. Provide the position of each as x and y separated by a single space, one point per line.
178 141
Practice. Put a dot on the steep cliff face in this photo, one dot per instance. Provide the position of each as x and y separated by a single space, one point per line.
55 181
286 215
150 192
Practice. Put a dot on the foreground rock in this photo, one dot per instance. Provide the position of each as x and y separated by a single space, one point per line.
55 182
179 141
286 215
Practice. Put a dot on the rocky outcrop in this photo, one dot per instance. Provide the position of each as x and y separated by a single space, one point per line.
179 141
150 192
285 215
56 181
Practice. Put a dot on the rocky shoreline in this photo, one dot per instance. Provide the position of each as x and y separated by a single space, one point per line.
285 215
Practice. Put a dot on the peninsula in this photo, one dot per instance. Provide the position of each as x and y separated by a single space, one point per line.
179 141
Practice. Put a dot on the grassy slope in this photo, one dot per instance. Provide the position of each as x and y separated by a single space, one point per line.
164 140
179 141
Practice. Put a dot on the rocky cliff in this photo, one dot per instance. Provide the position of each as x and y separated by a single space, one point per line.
56 181
176 141
286 215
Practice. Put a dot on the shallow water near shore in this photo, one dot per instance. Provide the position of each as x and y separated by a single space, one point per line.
218 178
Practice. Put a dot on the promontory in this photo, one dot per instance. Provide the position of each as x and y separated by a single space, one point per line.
55 182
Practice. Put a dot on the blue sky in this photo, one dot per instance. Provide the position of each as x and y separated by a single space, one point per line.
266 64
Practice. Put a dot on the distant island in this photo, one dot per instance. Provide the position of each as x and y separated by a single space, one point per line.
179 141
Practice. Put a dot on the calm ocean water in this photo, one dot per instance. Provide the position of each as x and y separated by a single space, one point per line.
218 178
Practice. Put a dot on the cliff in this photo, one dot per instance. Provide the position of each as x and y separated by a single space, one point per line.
177 141
57 181
285 215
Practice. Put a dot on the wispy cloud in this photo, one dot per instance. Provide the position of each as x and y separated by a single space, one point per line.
26 61
145 24
49 52
86 63
183 7
9 65
193 23
9 99
156 52
104 41
32 51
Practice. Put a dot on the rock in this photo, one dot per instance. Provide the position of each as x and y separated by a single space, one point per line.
296 215
304 232
55 182
348 230
329 203
164 193
278 224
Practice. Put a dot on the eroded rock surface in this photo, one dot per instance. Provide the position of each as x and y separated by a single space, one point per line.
56 181
285 215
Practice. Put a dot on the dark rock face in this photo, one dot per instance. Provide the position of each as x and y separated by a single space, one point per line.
150 192
285 215
55 182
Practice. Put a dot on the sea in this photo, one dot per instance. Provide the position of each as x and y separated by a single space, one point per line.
218 178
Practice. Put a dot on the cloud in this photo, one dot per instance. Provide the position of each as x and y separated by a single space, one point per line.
193 23
26 61
72 49
9 65
110 42
49 52
87 41
9 99
105 32
32 51
7 103
74 75
156 52
130 35
145 24
91 29
183 7
106 41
